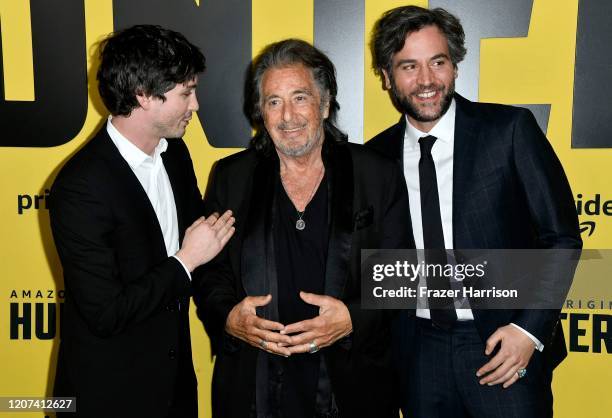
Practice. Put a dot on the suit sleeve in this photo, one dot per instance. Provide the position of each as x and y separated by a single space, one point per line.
396 225
553 217
215 293
395 233
82 226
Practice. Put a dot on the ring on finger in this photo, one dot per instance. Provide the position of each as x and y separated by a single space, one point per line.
522 372
312 347
263 344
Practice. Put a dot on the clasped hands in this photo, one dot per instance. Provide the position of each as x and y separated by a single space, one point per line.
332 323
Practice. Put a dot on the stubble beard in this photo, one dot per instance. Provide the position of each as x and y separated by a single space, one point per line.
304 149
407 107
165 131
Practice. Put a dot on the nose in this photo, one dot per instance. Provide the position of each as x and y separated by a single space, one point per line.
287 112
425 76
193 103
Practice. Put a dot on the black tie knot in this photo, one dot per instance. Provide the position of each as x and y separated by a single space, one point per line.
427 143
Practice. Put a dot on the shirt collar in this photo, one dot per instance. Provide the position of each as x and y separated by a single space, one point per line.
130 152
444 130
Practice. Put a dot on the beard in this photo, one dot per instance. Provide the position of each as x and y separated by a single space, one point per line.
405 105
298 150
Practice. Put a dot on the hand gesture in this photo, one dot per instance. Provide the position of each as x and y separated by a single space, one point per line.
205 238
514 354
333 323
243 322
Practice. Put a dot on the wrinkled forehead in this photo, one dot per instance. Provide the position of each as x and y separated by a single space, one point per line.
287 79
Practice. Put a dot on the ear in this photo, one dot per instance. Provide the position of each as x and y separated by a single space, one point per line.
387 79
326 107
456 71
144 101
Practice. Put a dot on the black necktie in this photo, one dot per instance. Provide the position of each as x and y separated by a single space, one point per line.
442 310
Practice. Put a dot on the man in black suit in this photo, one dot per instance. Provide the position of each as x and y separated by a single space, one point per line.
281 303
479 176
119 209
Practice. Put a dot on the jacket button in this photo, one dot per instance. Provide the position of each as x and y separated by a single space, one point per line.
172 354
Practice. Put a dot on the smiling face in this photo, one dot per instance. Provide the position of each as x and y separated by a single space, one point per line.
293 109
422 78
170 118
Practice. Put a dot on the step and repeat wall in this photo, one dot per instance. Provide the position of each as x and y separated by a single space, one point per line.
551 56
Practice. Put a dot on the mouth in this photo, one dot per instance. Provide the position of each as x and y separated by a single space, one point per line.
427 96
292 130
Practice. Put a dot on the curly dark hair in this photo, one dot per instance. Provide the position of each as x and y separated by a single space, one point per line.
390 31
282 54
144 59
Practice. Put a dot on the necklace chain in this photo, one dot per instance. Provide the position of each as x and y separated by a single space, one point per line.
300 224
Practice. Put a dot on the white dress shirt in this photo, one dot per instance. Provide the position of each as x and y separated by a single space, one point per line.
442 154
152 175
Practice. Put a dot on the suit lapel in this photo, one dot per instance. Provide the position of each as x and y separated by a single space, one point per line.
258 264
397 141
339 168
465 148
131 191
393 145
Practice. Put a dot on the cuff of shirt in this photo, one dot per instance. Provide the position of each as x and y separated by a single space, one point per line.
538 345
185 267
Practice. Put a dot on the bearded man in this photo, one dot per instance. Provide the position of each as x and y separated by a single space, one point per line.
281 303
479 176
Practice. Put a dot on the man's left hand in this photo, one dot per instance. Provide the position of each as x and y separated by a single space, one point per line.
514 354
333 323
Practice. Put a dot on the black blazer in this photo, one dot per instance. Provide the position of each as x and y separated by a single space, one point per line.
509 192
123 333
368 208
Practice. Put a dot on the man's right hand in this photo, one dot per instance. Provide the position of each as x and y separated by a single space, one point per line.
205 238
243 322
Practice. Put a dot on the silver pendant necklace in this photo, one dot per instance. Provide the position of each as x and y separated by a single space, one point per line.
300 224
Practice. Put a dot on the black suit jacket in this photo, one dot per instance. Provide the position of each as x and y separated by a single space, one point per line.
509 192
367 209
124 338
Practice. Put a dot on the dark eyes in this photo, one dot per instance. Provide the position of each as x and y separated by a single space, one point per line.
436 63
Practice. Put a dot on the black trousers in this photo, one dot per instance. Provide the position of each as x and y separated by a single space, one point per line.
440 378
185 401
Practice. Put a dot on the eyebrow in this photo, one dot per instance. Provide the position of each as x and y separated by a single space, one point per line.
302 91
294 92
404 61
442 55
412 61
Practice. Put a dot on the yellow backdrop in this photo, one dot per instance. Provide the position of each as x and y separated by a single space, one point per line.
535 69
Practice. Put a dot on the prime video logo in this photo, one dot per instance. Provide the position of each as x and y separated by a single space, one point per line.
594 206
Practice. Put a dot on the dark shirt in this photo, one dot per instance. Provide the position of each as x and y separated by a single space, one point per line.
294 382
